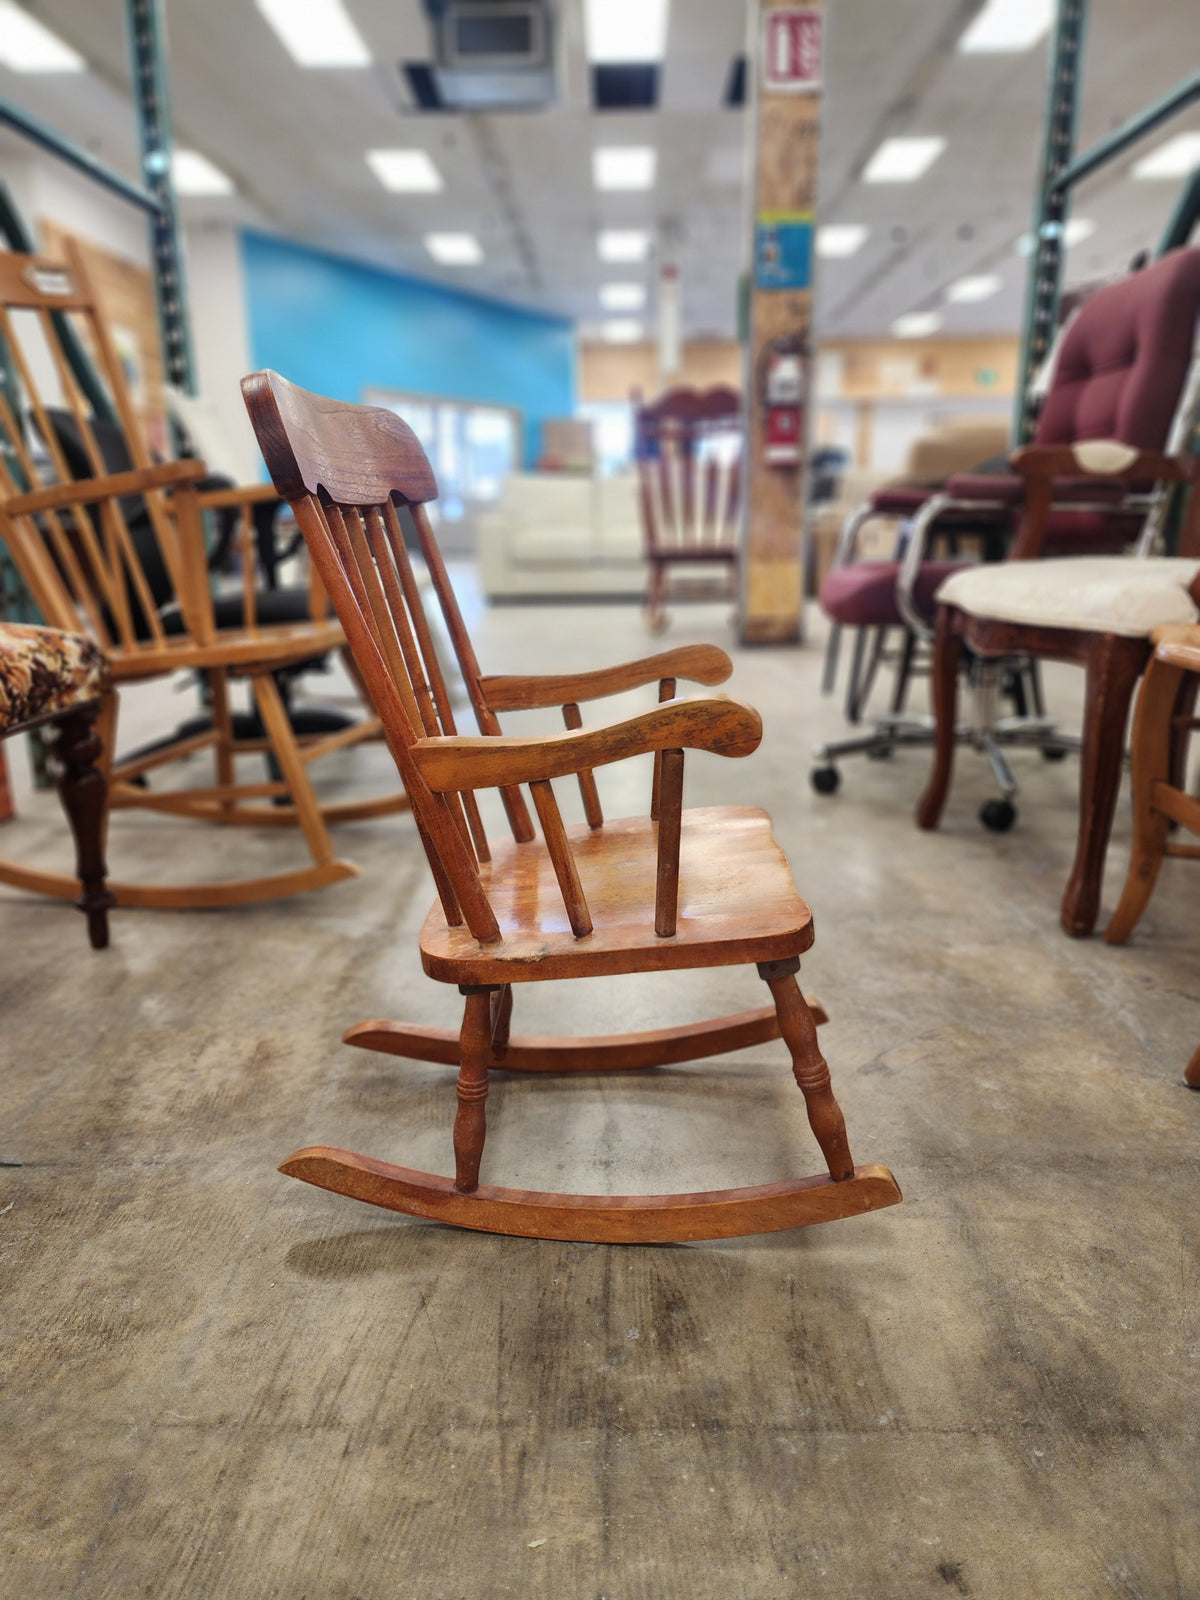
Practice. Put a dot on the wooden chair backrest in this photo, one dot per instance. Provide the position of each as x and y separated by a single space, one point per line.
84 568
346 470
688 447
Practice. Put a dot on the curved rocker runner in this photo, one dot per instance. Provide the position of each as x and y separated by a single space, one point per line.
674 889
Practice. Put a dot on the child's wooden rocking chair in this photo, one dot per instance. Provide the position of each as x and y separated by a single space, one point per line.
678 888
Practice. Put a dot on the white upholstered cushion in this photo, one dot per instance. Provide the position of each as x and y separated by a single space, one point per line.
1095 594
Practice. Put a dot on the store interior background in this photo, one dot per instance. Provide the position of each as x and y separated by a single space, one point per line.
309 265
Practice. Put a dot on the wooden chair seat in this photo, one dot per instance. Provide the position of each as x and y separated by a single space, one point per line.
247 648
737 903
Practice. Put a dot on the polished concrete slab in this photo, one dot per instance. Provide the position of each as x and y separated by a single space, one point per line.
220 1382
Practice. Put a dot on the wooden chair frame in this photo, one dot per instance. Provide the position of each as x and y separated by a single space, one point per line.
72 546
1112 662
601 898
1163 723
690 511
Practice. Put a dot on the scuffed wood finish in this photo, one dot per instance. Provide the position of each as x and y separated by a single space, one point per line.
700 888
618 1052
1112 664
596 1218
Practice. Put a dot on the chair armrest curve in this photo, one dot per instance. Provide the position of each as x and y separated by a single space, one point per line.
714 723
695 663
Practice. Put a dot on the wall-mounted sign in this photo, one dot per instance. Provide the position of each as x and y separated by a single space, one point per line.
783 250
791 50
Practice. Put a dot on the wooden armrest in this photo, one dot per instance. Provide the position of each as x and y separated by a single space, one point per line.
702 722
1099 458
695 663
85 491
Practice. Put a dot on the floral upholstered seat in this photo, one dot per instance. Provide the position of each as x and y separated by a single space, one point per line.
44 671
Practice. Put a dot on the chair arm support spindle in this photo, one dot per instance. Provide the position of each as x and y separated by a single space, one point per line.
587 782
563 861
670 823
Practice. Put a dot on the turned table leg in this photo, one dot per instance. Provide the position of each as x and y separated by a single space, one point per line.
83 791
943 691
1114 665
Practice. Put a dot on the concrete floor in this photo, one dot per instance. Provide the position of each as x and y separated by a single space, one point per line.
219 1382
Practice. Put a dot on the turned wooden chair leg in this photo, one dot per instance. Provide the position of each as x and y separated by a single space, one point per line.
1155 755
83 789
1113 667
501 1021
809 1067
943 691
470 1123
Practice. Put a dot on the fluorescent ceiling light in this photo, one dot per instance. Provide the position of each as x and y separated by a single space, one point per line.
623 244
623 296
194 174
624 167
622 330
27 45
840 239
405 171
916 325
316 33
625 30
1175 159
903 160
454 249
966 290
1007 25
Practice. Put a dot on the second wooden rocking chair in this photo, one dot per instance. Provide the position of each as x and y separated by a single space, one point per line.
675 889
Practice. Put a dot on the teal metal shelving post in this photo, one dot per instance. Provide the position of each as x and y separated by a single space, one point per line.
152 102
1050 206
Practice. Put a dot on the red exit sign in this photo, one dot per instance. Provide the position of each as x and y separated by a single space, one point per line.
791 54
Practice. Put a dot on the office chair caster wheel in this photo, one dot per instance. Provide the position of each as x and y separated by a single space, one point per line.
881 752
997 816
1053 752
825 780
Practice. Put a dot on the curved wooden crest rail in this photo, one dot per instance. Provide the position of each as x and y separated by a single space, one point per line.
668 890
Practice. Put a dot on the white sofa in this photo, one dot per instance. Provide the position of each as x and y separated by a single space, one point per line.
559 533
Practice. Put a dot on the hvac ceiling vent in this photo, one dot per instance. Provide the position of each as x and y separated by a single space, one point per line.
494 54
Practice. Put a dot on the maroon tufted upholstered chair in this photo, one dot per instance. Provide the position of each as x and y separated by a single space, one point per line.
1111 440
1119 373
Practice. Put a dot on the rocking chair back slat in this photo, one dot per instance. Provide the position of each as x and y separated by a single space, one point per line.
81 560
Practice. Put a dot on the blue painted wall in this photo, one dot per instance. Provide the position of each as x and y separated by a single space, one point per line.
337 327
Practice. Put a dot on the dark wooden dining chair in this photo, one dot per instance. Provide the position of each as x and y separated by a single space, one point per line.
671 889
688 447
50 679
